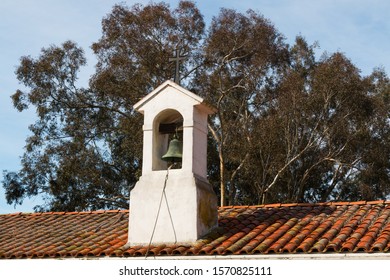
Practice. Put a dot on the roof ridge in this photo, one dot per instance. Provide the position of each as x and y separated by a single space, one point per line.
335 203
66 213
271 205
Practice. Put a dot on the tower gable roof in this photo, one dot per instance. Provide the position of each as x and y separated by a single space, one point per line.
167 87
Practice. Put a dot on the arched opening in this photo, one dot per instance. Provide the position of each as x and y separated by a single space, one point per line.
167 125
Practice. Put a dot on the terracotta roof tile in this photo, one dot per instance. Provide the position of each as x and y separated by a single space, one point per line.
265 229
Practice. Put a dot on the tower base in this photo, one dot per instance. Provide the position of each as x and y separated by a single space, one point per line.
182 211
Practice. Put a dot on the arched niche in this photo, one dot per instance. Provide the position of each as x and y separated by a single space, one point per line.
165 125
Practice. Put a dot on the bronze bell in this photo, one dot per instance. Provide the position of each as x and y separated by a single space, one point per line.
175 151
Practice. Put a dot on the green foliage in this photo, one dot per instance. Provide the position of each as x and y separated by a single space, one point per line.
289 128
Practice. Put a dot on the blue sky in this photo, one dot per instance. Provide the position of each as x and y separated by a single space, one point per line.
360 29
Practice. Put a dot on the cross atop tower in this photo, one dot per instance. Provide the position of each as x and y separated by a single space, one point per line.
177 59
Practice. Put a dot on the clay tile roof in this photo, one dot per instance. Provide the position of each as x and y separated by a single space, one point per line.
266 229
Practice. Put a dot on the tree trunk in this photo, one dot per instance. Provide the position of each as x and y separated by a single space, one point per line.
222 177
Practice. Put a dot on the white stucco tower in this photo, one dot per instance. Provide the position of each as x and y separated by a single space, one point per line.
188 208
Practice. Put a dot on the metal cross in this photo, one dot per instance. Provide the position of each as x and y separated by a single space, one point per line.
177 59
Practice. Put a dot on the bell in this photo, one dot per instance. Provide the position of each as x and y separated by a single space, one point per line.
174 153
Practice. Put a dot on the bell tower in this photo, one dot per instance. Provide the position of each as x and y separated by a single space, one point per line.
172 204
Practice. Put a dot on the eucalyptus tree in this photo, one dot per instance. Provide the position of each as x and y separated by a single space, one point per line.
85 148
244 55
288 128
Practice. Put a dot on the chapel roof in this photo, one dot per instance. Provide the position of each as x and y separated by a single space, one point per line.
335 227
